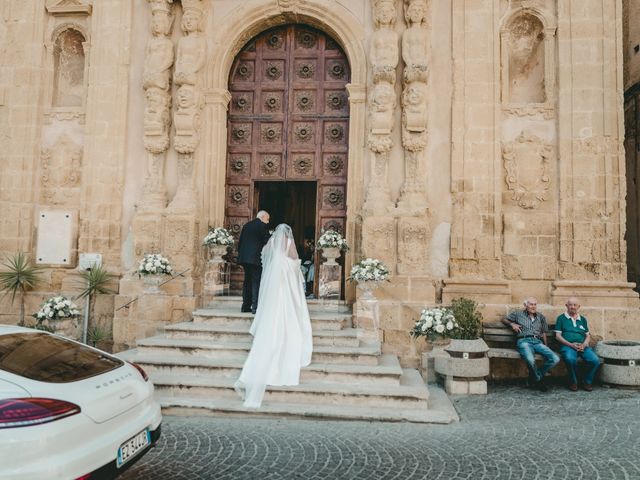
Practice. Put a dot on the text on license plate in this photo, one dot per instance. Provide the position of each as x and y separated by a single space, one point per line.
132 446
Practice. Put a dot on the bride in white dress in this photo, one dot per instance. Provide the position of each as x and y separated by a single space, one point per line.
281 329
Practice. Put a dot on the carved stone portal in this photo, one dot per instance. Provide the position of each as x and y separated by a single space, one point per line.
527 165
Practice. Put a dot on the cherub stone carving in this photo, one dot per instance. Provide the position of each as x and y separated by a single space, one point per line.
192 48
187 117
157 120
415 41
414 101
384 52
160 55
382 104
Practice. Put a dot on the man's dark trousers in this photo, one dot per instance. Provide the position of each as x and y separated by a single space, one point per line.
251 287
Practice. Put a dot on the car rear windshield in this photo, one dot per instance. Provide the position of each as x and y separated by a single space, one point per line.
47 358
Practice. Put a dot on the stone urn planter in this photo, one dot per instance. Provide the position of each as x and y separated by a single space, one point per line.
152 283
331 255
465 366
216 252
621 362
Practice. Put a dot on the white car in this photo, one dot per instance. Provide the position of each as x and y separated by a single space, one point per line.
69 411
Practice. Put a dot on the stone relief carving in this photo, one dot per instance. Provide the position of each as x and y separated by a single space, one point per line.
187 118
413 245
192 46
527 166
415 53
69 66
525 44
379 239
159 53
156 82
384 57
190 59
61 168
384 54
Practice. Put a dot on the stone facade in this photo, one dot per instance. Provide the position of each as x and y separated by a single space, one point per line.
485 150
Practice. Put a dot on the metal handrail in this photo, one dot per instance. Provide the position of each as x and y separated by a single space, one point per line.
181 274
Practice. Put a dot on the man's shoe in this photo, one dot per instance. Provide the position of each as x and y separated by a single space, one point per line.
253 310
573 387
587 387
245 310
540 385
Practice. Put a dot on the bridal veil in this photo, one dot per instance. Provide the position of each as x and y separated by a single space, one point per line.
282 342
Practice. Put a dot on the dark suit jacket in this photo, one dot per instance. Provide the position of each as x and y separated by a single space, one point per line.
253 237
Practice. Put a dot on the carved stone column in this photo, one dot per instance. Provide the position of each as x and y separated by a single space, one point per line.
181 234
415 53
157 114
384 58
192 48
156 82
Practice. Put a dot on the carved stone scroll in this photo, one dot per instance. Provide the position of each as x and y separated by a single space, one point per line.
384 57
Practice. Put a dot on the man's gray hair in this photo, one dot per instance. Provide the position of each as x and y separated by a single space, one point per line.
526 300
261 214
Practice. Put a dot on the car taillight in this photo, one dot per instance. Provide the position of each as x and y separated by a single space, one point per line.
141 370
25 412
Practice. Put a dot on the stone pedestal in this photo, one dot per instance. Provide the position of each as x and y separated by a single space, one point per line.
216 279
330 281
621 365
464 366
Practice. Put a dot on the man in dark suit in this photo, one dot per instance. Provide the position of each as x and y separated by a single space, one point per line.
253 237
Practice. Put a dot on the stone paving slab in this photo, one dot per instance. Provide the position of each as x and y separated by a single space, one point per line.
512 433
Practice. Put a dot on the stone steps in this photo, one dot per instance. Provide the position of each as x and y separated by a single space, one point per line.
387 372
235 302
319 320
409 394
240 332
440 409
206 348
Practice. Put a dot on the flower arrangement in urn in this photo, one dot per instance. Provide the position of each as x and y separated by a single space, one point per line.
154 264
369 273
434 323
218 236
369 270
332 239
56 309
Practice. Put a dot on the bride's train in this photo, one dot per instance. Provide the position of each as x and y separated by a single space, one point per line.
282 342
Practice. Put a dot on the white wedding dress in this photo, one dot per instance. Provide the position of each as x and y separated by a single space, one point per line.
281 329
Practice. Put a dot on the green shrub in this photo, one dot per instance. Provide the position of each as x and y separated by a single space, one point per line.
468 317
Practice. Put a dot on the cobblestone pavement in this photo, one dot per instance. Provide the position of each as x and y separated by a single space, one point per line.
512 433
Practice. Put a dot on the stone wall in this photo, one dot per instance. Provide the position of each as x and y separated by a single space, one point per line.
485 145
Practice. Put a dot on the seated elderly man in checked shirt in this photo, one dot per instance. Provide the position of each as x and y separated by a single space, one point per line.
531 329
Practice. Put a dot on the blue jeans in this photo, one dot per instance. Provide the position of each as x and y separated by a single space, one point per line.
570 357
528 347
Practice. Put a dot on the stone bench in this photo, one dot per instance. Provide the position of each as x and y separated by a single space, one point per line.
501 340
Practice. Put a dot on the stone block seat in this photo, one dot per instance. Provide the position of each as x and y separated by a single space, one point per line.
194 365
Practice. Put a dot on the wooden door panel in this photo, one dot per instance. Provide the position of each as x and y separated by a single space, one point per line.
288 120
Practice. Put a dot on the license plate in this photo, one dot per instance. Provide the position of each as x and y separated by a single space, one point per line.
132 446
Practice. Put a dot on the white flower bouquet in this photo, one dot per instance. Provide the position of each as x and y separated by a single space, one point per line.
332 239
435 322
369 270
154 264
56 308
218 236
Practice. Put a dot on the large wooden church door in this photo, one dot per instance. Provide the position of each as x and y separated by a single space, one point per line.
288 121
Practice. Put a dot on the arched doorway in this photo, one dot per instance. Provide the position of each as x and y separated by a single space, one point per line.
288 124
